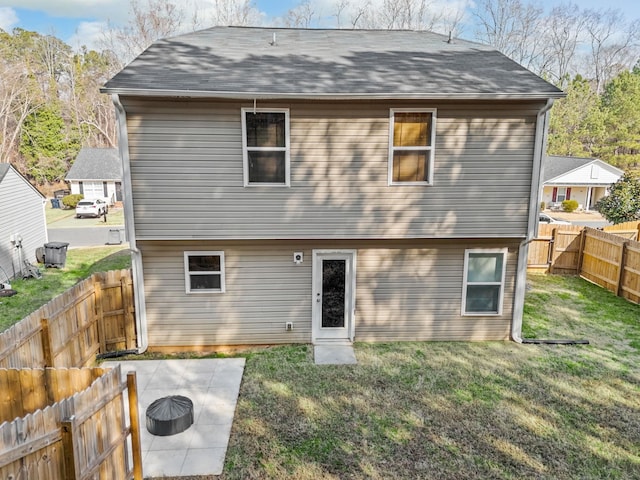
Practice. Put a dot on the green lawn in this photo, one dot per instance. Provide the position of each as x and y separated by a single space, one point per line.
461 410
433 410
66 218
81 263
56 214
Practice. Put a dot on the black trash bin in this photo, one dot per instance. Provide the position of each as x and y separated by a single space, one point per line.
55 254
55 203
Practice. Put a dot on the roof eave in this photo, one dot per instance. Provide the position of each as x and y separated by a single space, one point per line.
330 96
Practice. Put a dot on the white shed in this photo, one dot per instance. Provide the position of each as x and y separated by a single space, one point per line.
23 226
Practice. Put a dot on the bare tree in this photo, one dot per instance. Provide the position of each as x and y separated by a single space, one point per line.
19 97
613 44
399 14
91 112
231 12
514 28
565 26
154 19
302 15
148 22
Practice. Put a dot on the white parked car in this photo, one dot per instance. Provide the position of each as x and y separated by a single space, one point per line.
544 218
91 208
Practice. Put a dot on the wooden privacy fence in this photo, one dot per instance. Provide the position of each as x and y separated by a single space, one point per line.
81 435
630 230
605 258
94 316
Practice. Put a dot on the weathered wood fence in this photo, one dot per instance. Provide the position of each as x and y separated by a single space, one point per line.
94 316
610 259
72 425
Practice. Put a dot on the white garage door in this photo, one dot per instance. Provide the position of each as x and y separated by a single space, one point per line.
93 189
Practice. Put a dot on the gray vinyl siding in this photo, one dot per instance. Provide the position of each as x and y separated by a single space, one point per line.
187 172
22 213
405 290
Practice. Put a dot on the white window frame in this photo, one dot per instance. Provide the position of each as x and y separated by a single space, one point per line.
188 273
465 283
564 194
285 149
430 149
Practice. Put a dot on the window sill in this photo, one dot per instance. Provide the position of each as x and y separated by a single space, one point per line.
409 184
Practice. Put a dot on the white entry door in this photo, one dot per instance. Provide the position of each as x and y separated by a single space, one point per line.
334 293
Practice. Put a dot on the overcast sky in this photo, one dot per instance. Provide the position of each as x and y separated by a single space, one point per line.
79 22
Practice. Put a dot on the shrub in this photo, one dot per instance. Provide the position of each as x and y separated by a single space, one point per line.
542 206
70 201
569 205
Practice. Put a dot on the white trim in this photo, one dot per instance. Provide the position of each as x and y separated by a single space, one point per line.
286 149
137 271
430 149
188 273
350 256
164 92
535 195
465 282
564 194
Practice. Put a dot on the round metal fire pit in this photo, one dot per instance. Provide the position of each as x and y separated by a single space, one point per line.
169 415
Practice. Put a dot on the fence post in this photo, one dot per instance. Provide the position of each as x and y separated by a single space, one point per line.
623 261
71 465
97 289
47 349
132 389
128 317
552 243
583 239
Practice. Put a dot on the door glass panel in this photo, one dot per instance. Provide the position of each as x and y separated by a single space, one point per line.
333 293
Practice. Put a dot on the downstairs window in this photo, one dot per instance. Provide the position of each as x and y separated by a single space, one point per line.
483 282
204 272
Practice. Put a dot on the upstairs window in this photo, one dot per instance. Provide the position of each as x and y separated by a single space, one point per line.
204 272
483 289
265 141
411 145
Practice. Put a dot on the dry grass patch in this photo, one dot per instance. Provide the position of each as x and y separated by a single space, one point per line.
454 410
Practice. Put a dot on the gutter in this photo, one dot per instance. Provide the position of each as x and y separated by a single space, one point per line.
142 92
136 255
532 226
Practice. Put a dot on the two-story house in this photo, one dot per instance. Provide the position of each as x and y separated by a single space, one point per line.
292 185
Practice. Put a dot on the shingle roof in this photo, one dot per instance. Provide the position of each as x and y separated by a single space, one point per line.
245 62
96 164
4 168
555 166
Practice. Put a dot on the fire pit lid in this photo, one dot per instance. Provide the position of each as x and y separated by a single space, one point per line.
169 415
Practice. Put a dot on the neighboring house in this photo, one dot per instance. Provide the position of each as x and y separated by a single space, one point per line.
585 180
291 185
97 173
23 226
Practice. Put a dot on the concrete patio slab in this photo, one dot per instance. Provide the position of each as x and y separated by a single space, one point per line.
213 386
334 355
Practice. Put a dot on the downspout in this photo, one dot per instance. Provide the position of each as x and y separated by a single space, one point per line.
532 226
136 255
